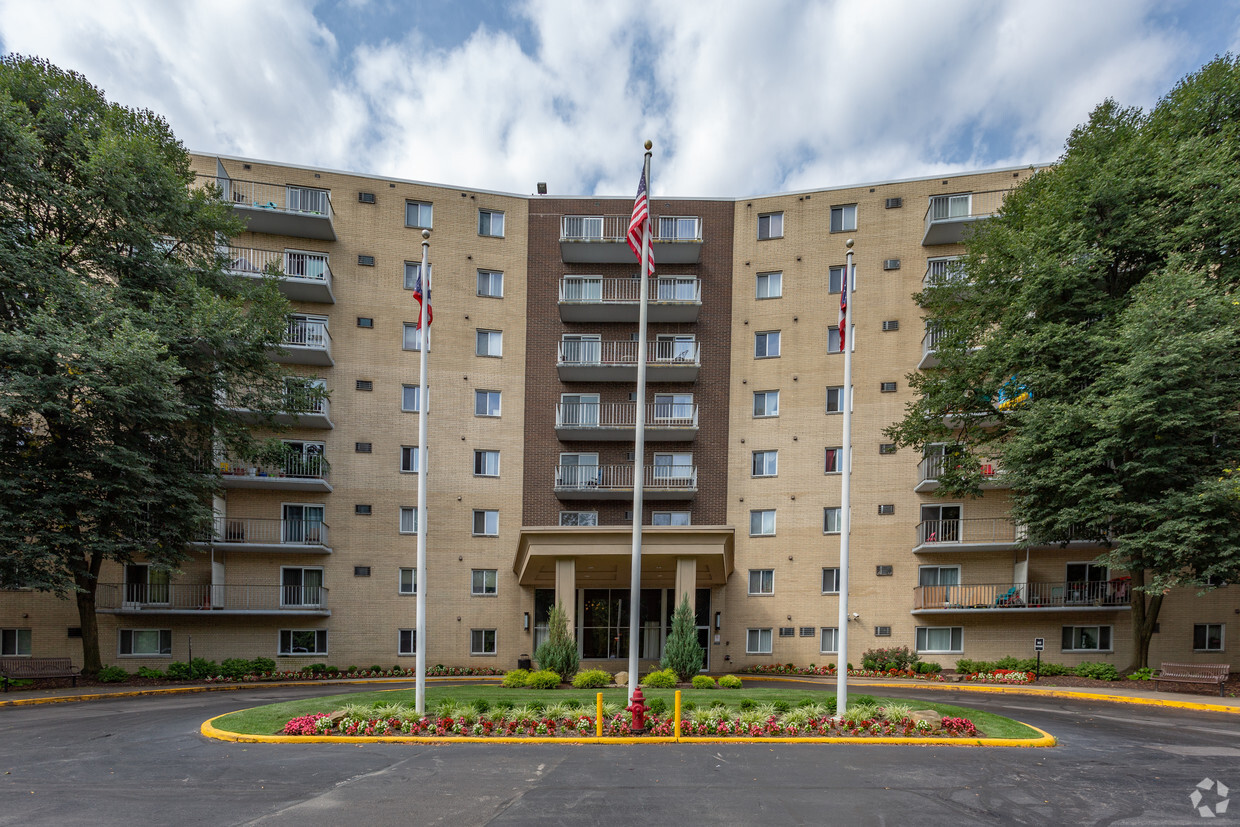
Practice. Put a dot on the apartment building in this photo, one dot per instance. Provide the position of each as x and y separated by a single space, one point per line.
532 410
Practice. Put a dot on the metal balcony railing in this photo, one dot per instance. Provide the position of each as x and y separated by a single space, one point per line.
620 477
304 333
299 401
616 228
268 531
599 290
963 206
595 352
939 271
971 531
295 265
275 197
181 597
624 414
931 468
1023 595
295 466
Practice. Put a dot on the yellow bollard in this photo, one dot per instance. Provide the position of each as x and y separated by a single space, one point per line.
598 715
676 720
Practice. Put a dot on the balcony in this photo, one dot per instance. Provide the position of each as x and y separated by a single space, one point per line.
591 360
949 217
929 358
617 421
301 410
598 299
1022 597
302 276
298 472
205 598
278 209
603 239
305 342
970 534
262 534
931 468
941 271
615 482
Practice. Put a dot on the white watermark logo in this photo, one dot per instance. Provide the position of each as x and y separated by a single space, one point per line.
1198 798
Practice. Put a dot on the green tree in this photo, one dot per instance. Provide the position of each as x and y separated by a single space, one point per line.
683 654
120 339
559 651
1097 313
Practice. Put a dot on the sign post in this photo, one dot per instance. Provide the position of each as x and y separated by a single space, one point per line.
1039 643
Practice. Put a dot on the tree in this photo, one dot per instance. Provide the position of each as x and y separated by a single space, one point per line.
683 654
559 651
1090 344
124 347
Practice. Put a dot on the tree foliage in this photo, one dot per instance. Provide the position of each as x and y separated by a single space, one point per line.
120 339
683 654
558 653
1103 296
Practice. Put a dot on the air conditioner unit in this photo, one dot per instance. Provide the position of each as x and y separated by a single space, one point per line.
882 631
891 264
887 387
887 509
894 203
891 325
882 571
366 198
365 261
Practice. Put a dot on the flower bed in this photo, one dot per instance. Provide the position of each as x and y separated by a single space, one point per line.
1001 676
830 671
431 672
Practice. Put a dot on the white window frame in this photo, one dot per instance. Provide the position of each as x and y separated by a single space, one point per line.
922 639
490 279
827 511
411 511
411 637
414 454
835 579
490 228
417 394
1110 635
761 513
411 337
164 636
429 214
833 339
848 218
490 522
1222 637
494 348
833 646
768 462
478 642
580 410
765 581
837 459
680 467
319 635
835 279
671 518
764 639
407 585
765 337
499 401
767 396
774 225
575 521
839 393
924 571
412 269
486 454
773 279
484 582
15 642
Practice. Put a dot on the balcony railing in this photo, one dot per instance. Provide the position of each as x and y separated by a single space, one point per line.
293 467
279 209
302 276
624 353
267 531
968 532
203 597
600 238
306 342
1046 595
665 421
948 215
598 479
931 468
598 299
942 270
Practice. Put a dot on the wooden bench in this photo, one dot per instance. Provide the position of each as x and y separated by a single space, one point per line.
1206 673
15 669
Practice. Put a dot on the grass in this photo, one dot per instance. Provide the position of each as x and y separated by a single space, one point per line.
270 720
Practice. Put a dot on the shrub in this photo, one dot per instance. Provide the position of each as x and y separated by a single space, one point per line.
234 668
332 670
537 706
683 654
883 660
113 674
178 670
203 668
516 679
658 706
687 707
592 679
374 667
146 672
782 706
351 669
662 679
543 679
704 682
729 682
558 652
481 706
313 668
1145 673
500 706
968 667
1097 670
748 703
928 668
260 665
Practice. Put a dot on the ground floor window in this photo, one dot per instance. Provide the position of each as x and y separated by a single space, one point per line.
603 622
830 641
1207 637
151 642
1087 638
14 642
482 642
940 639
303 641
758 641
408 642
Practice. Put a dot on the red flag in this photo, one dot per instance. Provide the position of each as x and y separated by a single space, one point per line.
417 296
844 311
639 224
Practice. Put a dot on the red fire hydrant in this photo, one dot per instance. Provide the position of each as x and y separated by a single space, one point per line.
638 708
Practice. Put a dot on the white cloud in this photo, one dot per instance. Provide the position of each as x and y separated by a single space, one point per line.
738 99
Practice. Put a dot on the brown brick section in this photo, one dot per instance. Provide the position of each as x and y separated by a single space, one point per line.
543 386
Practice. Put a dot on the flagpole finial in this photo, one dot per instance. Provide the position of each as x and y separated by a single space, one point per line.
848 243
649 146
426 234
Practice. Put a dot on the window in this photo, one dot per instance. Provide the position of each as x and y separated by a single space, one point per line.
758 641
832 520
766 403
844 219
303 641
578 518
410 397
578 410
1207 637
577 471
412 270
362 510
482 642
483 582
673 467
770 225
418 214
16 642
491 222
486 403
409 459
835 279
762 581
670 518
486 463
1087 583
301 586
491 284
675 347
413 337
408 519
831 581
938 576
833 458
408 642
408 581
833 338
829 642
765 463
490 343
145 584
674 406
766 344
486 523
835 400
762 523
770 285
145 642
940 639
1087 638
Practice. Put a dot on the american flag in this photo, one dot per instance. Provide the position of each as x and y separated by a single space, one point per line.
417 296
844 311
639 223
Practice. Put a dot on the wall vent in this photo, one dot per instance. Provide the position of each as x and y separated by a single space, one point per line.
366 198
628 515
891 264
361 571
887 387
365 261
630 456
365 385
787 631
365 321
886 510
807 631
882 631
895 203
362 510
890 326
886 448
882 571
361 447
632 396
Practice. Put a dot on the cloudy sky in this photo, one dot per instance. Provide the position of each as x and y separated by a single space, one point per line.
739 98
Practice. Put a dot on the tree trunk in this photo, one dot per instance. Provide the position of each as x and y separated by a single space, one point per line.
87 581
1145 610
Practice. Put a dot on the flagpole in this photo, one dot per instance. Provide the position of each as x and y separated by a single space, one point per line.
420 521
639 441
846 340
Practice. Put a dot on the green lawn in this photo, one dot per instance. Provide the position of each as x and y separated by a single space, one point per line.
269 720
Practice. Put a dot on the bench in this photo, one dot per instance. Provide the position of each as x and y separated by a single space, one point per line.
1205 673
14 669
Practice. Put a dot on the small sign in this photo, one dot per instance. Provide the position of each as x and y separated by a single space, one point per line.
1039 644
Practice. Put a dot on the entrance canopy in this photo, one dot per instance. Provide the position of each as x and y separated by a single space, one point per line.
602 554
